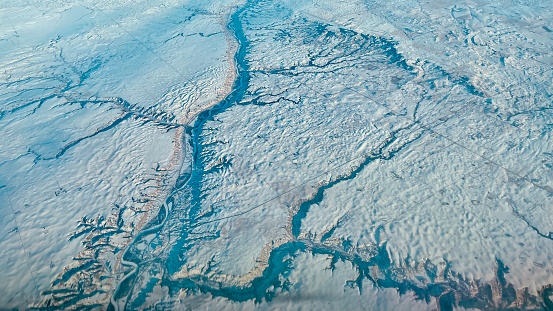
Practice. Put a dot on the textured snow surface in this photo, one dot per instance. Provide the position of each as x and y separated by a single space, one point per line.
276 155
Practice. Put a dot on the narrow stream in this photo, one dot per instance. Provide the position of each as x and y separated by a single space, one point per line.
375 266
194 131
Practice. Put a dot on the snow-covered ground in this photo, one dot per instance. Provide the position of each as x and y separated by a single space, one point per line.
94 99
269 155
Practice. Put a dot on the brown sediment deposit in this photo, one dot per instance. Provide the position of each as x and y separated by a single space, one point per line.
178 154
106 268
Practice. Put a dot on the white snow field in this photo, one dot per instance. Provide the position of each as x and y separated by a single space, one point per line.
276 155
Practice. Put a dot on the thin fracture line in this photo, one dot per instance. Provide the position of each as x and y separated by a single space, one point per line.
21 241
145 46
282 194
426 127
